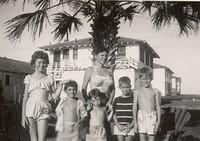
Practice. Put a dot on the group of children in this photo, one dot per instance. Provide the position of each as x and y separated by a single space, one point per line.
133 112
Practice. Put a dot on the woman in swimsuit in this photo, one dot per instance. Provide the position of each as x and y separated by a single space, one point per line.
99 76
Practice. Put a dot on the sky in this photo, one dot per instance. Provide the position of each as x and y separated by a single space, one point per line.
180 54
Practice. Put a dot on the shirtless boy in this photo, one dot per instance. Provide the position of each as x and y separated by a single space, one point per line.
146 107
70 112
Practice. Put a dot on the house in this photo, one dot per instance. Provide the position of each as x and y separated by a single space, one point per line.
176 85
162 79
12 73
69 59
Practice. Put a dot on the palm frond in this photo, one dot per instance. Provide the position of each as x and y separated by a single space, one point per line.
186 14
33 21
2 2
42 4
7 1
73 4
129 12
88 11
65 22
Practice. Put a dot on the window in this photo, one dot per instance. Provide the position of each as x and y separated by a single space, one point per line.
147 59
7 80
151 61
121 51
142 54
65 54
56 56
75 53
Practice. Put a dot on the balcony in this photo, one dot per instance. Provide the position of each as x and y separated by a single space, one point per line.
125 63
65 66
122 63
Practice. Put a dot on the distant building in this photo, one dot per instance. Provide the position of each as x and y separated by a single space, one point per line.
69 59
176 85
162 79
12 73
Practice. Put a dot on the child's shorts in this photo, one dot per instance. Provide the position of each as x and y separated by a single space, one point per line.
147 122
117 132
70 132
96 133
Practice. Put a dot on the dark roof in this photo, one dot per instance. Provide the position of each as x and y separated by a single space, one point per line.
14 66
161 66
87 42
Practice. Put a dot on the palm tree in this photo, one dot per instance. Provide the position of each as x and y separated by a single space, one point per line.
104 17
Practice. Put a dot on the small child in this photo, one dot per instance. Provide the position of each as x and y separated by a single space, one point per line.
70 112
123 111
98 115
146 107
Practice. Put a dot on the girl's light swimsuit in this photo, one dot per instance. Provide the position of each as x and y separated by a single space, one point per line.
38 106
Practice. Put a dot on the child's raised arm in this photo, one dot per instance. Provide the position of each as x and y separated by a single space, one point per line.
58 91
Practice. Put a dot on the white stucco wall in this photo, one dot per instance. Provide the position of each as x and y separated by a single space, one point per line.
159 80
133 52
84 57
50 56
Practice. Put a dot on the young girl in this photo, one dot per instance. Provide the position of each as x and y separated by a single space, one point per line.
38 90
97 117
70 112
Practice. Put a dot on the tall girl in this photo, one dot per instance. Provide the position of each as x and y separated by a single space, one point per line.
38 90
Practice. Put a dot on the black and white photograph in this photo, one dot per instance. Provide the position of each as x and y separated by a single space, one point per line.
99 70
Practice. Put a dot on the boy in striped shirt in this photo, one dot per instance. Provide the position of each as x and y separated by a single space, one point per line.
123 111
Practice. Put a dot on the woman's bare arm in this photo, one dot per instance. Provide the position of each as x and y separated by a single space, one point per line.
135 108
86 81
112 93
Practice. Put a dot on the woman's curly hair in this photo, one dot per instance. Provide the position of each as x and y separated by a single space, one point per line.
39 55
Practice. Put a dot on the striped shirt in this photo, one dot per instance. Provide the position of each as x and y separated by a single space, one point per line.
123 108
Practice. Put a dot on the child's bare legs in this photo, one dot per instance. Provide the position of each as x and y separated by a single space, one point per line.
42 129
120 138
145 137
124 138
142 137
38 129
129 138
33 129
151 137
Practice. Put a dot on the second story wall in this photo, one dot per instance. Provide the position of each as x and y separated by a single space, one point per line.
84 57
132 52
159 80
